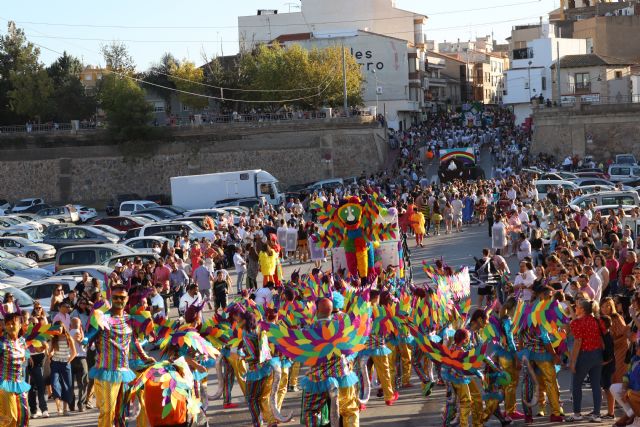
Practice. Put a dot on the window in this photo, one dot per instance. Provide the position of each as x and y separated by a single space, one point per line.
105 254
86 257
186 108
158 106
524 53
88 77
526 85
127 207
543 83
582 80
618 74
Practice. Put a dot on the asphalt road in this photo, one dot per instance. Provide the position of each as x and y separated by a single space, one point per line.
412 409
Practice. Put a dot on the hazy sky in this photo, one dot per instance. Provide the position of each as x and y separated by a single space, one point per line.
211 26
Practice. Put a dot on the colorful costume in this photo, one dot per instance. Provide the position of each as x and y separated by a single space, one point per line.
14 410
259 378
352 225
113 339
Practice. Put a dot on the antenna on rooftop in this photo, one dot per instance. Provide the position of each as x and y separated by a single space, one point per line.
293 5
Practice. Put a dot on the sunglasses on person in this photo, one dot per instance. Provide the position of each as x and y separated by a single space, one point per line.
118 297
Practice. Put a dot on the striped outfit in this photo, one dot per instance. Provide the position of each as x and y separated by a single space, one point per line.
316 385
14 411
379 352
114 345
259 379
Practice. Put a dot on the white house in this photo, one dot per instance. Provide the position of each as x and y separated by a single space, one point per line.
530 74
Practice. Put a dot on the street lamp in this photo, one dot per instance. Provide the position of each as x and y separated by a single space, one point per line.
529 84
375 76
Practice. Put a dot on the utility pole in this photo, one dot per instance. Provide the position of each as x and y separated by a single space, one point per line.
344 82
558 76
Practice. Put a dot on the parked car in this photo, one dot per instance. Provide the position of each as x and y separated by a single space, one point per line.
10 279
543 185
109 229
28 249
10 225
66 213
5 206
249 203
607 198
591 173
626 159
79 235
326 184
177 209
144 256
588 189
98 272
14 268
198 220
149 217
25 302
130 206
82 255
18 258
606 209
558 175
122 223
46 222
113 206
161 213
131 233
581 182
24 204
147 242
85 213
236 210
624 173
192 229
42 290
214 213
52 229
35 208
31 235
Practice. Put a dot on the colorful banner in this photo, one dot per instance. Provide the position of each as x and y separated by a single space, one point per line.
465 154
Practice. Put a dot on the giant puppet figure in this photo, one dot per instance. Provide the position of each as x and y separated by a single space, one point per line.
355 224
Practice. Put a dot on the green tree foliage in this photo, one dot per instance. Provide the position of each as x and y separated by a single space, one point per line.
117 58
17 57
159 74
128 112
186 77
69 98
318 72
32 88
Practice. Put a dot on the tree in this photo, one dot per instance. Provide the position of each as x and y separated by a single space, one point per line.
31 91
186 77
128 112
160 74
17 55
117 58
309 79
69 99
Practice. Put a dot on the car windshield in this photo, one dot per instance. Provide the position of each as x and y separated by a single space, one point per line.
150 205
195 227
21 298
23 203
12 265
107 228
22 241
10 220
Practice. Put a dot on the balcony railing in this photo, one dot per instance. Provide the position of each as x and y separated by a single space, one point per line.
580 88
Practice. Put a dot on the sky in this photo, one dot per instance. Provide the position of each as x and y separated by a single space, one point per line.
206 28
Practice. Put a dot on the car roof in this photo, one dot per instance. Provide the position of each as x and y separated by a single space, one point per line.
100 245
152 237
98 267
137 201
55 279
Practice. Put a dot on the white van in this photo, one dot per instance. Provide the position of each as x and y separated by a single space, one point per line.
607 198
543 185
130 206
623 173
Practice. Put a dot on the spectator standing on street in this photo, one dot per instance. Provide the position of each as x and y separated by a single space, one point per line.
35 371
79 368
221 285
178 281
203 277
191 297
62 353
253 266
241 267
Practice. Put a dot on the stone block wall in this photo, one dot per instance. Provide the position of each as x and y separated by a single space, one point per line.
598 130
96 172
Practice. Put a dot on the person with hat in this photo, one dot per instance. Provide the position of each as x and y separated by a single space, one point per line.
114 340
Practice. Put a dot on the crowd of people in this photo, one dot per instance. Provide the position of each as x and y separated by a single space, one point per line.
581 262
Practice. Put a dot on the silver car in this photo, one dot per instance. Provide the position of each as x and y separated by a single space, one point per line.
24 247
25 302
16 281
26 261
14 268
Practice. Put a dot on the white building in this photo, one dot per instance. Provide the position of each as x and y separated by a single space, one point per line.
389 43
530 74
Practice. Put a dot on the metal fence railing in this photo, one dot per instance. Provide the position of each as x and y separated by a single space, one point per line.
189 121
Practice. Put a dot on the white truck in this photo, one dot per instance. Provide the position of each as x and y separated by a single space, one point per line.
205 191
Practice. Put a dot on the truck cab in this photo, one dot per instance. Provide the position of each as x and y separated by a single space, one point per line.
267 187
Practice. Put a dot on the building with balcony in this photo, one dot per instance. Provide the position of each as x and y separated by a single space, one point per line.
530 75
90 77
593 78
389 43
441 91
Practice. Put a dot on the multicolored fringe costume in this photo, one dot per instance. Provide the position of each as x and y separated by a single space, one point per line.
259 378
14 410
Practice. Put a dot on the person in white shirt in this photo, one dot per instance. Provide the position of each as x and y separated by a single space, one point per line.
595 282
524 281
264 295
241 267
524 247
192 296
157 302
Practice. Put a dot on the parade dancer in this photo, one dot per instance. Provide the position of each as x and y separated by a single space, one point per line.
259 376
458 385
113 337
14 410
